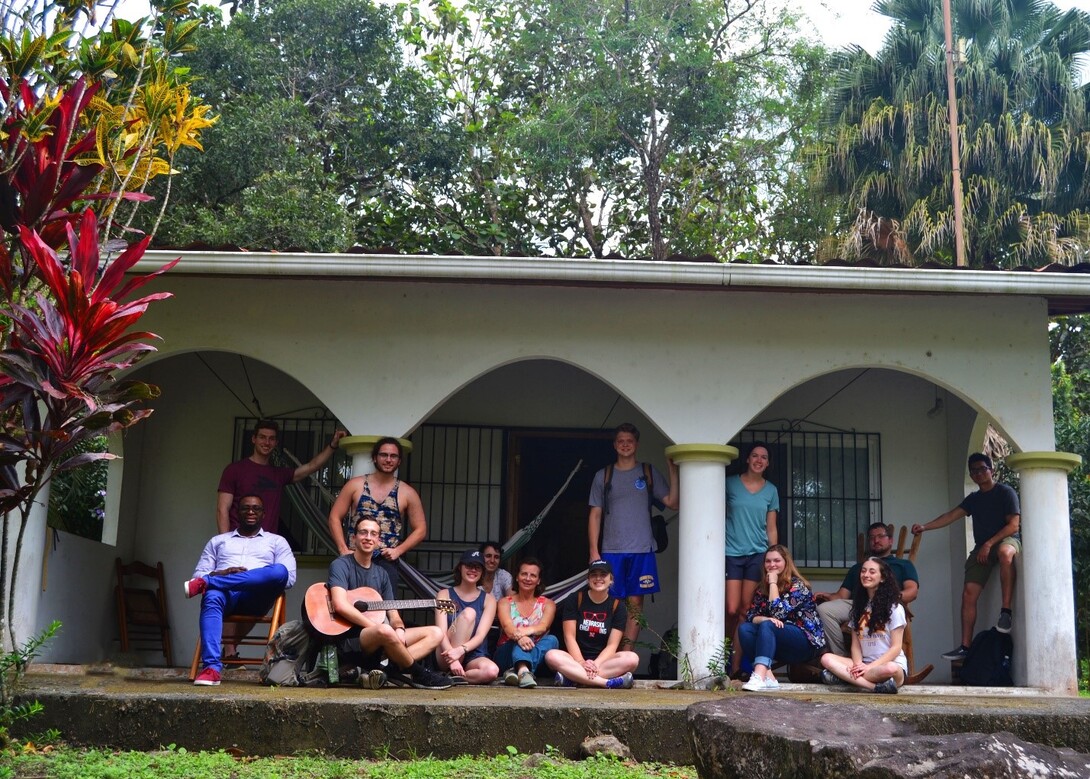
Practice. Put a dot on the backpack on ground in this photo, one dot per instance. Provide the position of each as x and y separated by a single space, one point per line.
988 663
290 658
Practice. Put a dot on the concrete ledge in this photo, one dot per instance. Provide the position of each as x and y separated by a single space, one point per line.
145 709
136 712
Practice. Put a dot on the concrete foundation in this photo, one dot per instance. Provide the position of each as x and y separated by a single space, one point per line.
150 708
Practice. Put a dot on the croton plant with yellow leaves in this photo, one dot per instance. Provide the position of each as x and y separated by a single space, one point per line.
92 108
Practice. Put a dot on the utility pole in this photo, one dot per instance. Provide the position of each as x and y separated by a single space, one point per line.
955 152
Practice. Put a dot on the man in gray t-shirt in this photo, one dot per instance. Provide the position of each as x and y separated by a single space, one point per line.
619 526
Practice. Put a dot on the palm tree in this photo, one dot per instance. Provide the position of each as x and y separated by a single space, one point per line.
1024 132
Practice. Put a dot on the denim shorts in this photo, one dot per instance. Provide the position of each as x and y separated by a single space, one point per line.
746 567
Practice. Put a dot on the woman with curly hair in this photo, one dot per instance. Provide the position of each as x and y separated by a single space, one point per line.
782 622
878 622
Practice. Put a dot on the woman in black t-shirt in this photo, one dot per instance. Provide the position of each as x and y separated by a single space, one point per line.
593 627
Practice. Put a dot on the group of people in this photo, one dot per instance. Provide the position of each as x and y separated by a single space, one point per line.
244 568
772 613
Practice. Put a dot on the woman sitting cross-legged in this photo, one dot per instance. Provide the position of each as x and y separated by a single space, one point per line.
525 618
782 622
877 623
593 627
463 652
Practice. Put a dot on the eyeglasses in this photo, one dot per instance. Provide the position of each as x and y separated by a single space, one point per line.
981 469
368 533
250 509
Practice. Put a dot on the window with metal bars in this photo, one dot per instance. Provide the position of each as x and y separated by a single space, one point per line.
303 438
458 471
830 490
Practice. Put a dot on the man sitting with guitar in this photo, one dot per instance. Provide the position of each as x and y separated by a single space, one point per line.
374 632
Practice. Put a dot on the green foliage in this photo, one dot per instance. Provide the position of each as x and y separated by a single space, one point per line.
314 129
177 763
649 127
13 666
654 127
1024 131
77 497
1070 341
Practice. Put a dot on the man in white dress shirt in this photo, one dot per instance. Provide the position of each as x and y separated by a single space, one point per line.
239 572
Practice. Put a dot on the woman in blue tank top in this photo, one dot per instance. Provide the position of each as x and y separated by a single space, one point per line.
463 653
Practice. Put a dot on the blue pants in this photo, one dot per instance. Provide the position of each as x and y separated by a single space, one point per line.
510 654
764 642
249 592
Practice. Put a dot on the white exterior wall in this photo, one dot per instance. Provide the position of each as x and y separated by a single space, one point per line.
700 365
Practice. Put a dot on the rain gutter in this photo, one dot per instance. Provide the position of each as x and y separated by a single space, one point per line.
1071 287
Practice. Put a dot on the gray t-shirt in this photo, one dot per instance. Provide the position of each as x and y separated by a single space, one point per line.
627 528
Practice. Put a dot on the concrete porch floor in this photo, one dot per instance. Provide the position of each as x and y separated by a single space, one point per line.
148 708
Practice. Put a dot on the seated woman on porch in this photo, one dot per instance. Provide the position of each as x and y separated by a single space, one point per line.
877 622
593 628
525 618
495 579
463 652
782 624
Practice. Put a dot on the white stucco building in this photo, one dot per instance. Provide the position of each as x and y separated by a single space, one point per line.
873 385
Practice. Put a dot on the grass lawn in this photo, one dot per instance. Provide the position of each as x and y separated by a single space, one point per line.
173 763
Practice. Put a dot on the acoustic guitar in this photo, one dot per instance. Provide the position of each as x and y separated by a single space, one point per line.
319 614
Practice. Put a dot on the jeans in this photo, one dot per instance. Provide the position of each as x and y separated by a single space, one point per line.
765 642
510 654
249 592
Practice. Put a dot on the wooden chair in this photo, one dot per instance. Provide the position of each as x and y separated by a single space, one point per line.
142 612
901 551
236 630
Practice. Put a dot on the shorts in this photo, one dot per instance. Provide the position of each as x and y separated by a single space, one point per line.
350 652
979 574
747 567
634 573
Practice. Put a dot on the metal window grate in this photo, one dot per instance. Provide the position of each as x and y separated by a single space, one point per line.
830 490
304 437
459 472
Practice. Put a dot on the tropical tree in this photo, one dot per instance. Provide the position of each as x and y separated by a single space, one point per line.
646 127
1024 133
91 111
318 112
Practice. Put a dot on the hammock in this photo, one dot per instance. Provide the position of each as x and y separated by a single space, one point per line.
418 581
427 587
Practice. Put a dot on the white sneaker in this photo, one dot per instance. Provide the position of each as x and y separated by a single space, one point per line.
771 683
755 684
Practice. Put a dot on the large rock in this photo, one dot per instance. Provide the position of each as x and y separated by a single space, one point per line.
767 737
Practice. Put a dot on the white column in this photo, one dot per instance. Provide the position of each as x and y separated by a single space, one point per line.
1044 614
28 585
701 550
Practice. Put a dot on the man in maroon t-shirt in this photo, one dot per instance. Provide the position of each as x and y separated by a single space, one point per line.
255 476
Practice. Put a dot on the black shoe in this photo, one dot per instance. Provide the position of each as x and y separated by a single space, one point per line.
395 677
956 654
423 679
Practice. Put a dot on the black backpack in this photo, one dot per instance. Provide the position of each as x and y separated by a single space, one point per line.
988 663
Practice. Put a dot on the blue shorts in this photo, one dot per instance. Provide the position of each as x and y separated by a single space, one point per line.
746 567
634 573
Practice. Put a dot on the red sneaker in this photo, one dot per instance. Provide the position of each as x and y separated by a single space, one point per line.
195 587
209 677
